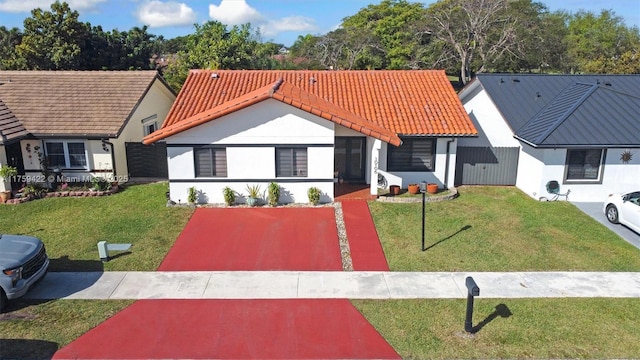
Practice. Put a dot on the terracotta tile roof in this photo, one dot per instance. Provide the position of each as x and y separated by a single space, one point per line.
74 103
288 94
411 102
10 127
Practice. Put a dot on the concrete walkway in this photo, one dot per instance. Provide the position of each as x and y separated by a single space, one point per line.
330 285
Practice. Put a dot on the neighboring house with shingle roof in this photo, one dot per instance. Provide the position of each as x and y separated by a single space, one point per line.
86 123
580 130
311 128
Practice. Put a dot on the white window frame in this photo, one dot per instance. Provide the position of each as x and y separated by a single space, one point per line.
150 121
67 157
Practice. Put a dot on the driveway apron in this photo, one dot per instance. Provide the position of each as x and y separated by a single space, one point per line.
242 239
594 209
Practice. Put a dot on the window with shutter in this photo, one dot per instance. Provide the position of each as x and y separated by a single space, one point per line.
415 154
210 162
291 162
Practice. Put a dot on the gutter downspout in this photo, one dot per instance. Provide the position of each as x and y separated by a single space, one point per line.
446 166
113 157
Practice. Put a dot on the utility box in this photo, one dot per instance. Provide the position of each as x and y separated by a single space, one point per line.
104 248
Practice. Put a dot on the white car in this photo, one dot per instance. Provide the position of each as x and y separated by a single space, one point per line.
624 209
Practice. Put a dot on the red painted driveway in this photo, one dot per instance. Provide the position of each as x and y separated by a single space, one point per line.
232 239
247 239
233 329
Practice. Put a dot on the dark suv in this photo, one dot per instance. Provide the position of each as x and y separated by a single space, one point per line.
23 261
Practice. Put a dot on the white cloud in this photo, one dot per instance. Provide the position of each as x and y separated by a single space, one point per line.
156 13
289 23
238 12
234 12
18 6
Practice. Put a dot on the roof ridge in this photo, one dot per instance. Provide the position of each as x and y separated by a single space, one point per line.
553 103
276 86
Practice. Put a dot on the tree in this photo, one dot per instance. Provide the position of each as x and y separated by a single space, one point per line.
9 39
344 48
303 52
601 44
53 40
539 39
213 47
481 30
389 29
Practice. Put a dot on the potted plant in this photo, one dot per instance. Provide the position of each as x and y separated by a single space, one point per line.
413 188
6 173
273 194
253 194
432 188
229 196
314 195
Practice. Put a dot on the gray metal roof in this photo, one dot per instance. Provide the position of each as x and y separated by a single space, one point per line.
568 110
11 128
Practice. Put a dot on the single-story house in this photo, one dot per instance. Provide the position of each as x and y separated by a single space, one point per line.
306 129
579 130
84 124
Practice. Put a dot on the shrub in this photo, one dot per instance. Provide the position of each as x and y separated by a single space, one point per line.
192 195
7 172
229 196
35 190
273 194
314 195
100 184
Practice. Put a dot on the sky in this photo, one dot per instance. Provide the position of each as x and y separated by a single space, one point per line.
281 21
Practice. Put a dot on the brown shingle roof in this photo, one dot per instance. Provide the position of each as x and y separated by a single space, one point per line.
288 94
405 102
10 127
74 103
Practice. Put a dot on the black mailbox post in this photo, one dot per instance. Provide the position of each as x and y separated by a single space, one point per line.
423 190
472 290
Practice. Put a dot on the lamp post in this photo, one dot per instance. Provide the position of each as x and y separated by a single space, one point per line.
423 190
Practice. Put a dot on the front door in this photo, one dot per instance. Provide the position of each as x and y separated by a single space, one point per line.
350 158
14 158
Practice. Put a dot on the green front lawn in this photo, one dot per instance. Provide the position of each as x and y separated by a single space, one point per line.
72 227
485 229
498 229
501 229
510 328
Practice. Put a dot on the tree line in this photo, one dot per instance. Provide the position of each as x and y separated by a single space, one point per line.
461 36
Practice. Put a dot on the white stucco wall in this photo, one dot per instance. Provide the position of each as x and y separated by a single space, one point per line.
617 177
492 129
404 178
251 136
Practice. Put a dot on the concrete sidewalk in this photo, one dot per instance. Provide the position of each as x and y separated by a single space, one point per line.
331 285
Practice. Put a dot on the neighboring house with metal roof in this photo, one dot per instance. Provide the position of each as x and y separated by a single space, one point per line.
580 130
306 129
85 123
